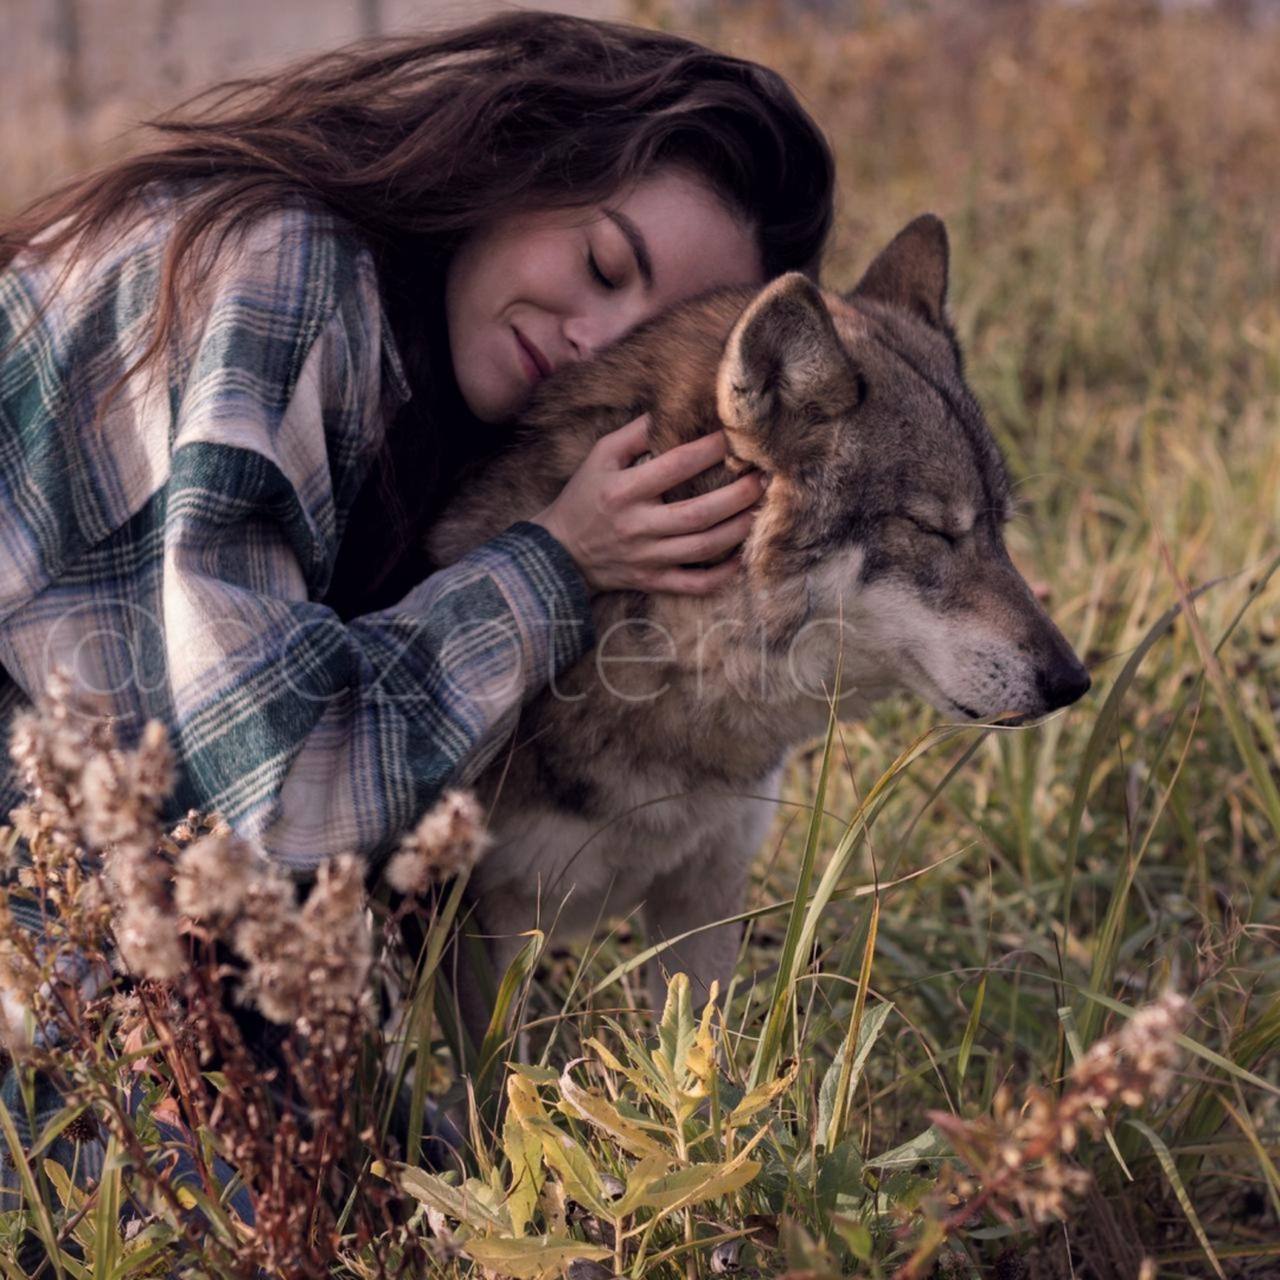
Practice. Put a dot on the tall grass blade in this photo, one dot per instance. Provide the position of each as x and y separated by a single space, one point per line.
509 988
971 1025
106 1236
1270 1174
1253 1042
1100 739
1179 1190
1237 722
844 1088
777 1017
32 1197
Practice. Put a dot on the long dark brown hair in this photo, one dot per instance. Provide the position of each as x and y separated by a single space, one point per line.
416 142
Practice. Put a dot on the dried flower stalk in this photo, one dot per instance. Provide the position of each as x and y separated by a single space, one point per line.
1018 1156
142 935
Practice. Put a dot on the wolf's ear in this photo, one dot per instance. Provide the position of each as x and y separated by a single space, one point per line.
911 271
784 368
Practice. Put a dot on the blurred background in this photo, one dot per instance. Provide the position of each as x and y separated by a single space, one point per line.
1110 174
76 74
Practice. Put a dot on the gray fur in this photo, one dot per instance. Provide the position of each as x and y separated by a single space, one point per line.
879 538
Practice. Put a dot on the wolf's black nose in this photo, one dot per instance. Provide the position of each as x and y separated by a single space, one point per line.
1063 683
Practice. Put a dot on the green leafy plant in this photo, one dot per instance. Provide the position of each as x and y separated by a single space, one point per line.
659 1144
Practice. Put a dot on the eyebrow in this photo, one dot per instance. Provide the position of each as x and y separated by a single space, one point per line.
636 240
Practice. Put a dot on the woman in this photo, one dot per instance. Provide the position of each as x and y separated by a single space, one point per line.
240 373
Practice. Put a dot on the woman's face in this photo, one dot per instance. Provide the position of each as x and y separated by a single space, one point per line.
535 291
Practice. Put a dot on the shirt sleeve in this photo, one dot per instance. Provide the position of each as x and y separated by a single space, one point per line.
313 735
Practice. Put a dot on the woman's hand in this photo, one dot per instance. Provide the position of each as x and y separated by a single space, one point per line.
611 519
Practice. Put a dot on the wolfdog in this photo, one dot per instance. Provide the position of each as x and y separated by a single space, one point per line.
636 780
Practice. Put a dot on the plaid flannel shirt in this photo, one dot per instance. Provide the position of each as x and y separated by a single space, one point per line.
172 557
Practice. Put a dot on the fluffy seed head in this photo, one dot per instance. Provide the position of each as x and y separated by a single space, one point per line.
447 841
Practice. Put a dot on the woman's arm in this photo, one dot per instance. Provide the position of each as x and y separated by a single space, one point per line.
313 735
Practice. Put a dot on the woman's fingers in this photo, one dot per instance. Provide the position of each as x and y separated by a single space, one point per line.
653 478
692 515
707 545
623 446
694 582
612 521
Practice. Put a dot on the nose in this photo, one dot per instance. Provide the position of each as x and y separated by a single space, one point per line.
576 342
586 334
1063 683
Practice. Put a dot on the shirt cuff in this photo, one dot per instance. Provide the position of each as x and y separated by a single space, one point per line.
543 590
540 557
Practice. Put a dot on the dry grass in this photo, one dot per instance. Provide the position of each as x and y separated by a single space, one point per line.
1110 177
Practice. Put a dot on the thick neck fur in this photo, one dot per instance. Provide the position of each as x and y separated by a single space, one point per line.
669 673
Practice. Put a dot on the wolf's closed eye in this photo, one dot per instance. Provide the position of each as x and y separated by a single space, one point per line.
933 531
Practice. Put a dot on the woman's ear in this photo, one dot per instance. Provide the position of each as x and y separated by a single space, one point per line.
784 375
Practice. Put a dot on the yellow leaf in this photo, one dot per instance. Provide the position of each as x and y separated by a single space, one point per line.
462 1202
604 1115
694 1184
551 1202
573 1167
523 1148
701 1059
761 1096
531 1257
637 1078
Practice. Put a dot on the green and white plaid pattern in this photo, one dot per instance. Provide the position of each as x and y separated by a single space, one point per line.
172 556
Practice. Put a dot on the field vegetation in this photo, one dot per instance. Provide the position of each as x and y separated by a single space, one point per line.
1008 1003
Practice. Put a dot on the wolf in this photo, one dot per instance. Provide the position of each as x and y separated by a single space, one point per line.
877 553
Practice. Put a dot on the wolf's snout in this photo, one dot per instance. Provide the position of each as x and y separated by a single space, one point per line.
1063 683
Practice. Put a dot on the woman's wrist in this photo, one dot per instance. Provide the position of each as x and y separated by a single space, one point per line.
548 519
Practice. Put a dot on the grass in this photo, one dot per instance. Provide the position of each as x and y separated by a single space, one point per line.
1113 209
978 907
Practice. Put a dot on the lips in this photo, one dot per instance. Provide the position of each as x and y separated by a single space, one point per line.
535 364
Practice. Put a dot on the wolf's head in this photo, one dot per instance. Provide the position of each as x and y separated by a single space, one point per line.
888 496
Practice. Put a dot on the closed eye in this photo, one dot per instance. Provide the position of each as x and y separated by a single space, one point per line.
596 274
933 531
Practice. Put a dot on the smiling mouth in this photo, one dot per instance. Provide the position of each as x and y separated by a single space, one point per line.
531 359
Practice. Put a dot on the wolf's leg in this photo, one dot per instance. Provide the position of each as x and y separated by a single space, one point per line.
705 887
709 886
690 897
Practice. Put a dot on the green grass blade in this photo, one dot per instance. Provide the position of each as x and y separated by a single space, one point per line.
1068 1018
970 1032
847 1082
1253 1042
1237 722
496 1035
107 1228
1100 739
1194 1046
851 894
1270 1174
35 1202
415 1027
1179 1190
1107 948
778 1014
